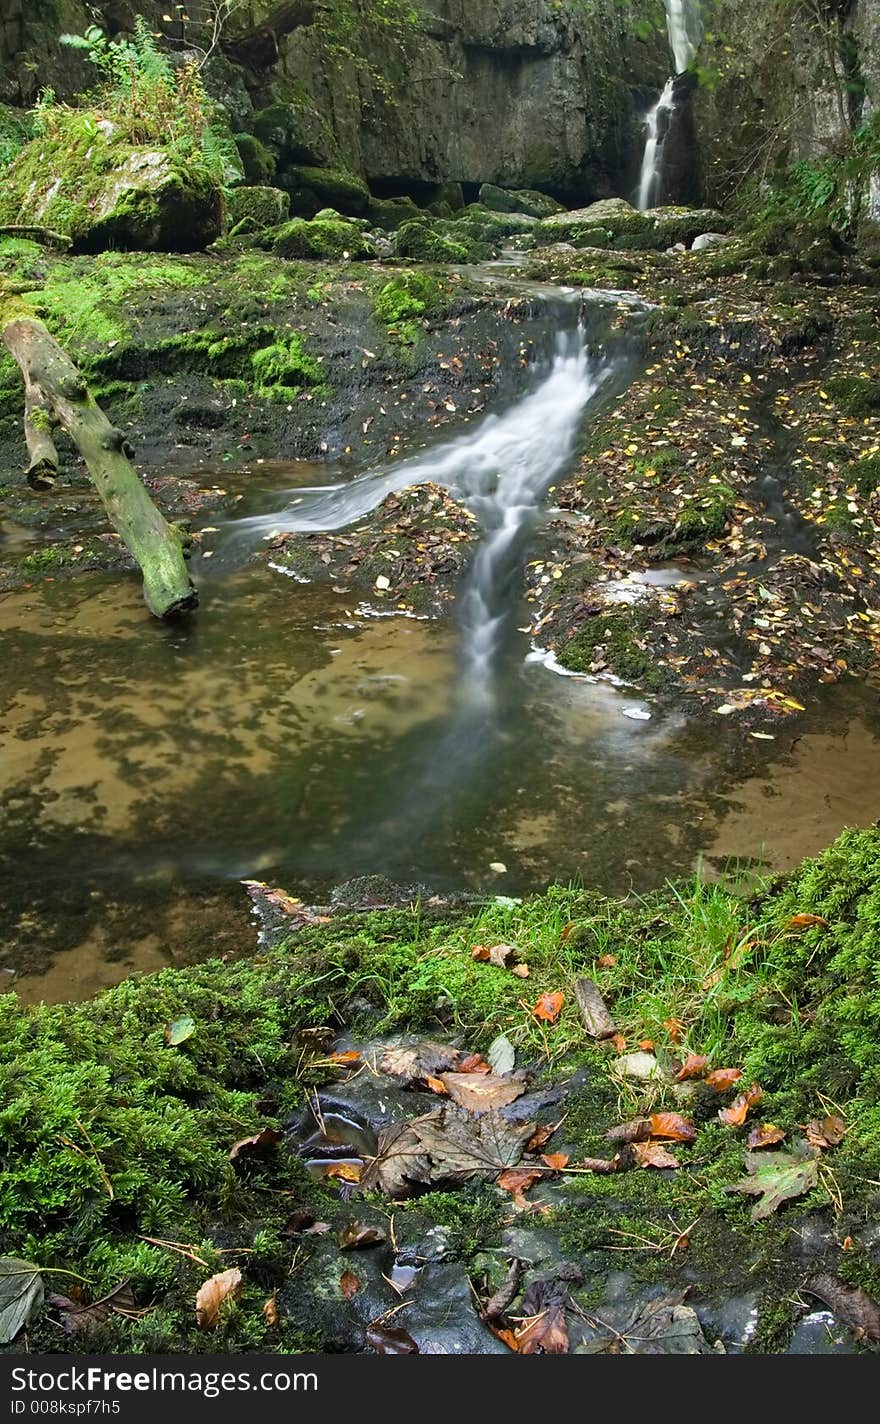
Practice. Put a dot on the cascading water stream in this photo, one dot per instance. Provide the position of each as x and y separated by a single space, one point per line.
685 32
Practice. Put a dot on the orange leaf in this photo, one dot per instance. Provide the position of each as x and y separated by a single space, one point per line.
723 1078
211 1295
675 1029
804 922
480 951
346 1171
507 1336
519 1179
349 1284
556 1160
549 1007
692 1067
352 1056
847 1244
672 1126
646 1045
606 961
764 1134
547 1331
540 1137
474 1063
739 1108
437 1086
619 1042
652 1154
270 1311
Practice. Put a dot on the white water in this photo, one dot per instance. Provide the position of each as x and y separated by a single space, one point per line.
685 32
501 470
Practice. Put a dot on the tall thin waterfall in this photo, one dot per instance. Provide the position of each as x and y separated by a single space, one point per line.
685 32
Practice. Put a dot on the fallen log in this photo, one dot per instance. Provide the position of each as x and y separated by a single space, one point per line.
56 394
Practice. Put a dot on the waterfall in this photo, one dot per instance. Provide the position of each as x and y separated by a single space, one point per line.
685 32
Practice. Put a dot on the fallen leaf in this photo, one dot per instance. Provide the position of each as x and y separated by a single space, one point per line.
692 1067
739 1108
270 1311
600 1164
672 1126
549 1007
638 1129
556 1160
246 1146
437 1085
645 1045
540 1137
459 1146
776 1177
501 955
391 1340
351 1056
675 1029
419 1060
852 1305
344 1171
723 1078
349 1284
764 1134
518 1179
619 1042
826 1132
606 961
179 1030
474 1063
479 1093
804 922
78 1318
545 1328
593 1009
21 1295
358 1235
213 1293
502 1055
521 971
508 1337
649 1154
400 1161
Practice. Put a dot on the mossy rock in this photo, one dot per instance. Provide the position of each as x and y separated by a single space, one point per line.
327 240
285 367
523 200
422 242
295 132
107 194
619 634
256 160
858 396
312 189
253 209
407 298
391 213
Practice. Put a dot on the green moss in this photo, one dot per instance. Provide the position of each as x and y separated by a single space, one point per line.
409 295
254 208
256 160
705 518
283 368
392 213
620 633
314 188
858 396
864 475
323 241
420 242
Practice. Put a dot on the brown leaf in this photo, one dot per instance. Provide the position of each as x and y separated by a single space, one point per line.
606 961
391 1340
549 1007
251 1146
501 955
764 1134
600 1164
498 1304
723 1078
650 1154
474 1063
593 1009
637 1130
804 922
692 1067
399 1162
619 1042
675 1029
519 1179
78 1318
349 1284
212 1294
852 1305
739 1108
825 1132
358 1235
437 1086
556 1160
645 1045
521 971
459 1146
270 1311
419 1060
481 1092
672 1126
545 1329
541 1136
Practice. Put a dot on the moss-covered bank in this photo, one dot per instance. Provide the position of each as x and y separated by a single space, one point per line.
113 1132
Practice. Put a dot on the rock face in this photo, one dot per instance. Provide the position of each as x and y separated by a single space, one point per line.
523 94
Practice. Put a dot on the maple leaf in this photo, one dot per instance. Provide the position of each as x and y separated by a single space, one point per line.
481 1092
556 1160
776 1177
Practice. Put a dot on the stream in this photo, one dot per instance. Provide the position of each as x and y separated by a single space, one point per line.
291 733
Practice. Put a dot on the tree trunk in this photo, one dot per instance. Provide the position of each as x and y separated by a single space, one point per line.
55 393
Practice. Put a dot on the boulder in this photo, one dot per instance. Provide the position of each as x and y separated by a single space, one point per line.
312 189
422 242
295 132
256 160
111 195
392 213
709 239
250 209
327 240
523 200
